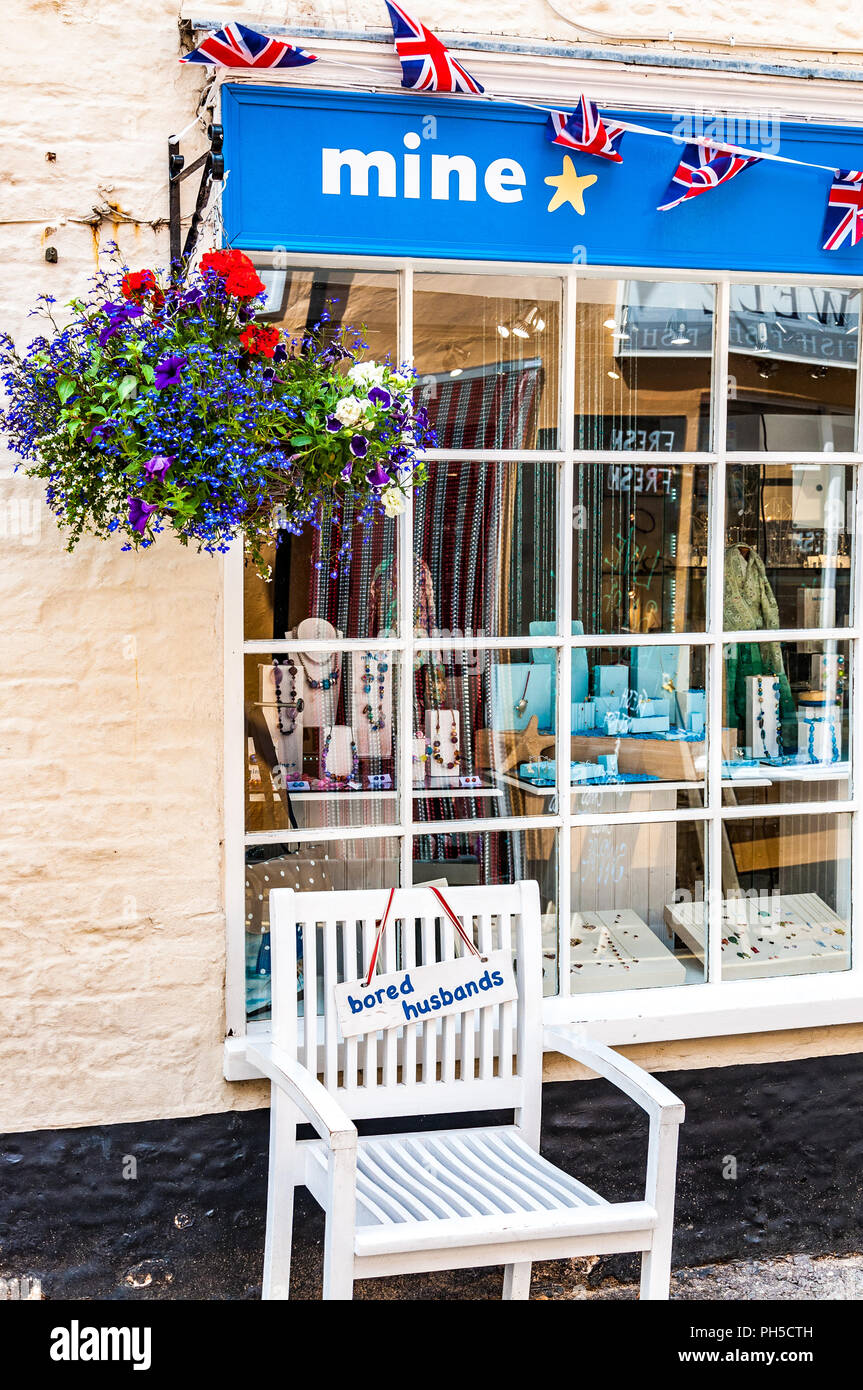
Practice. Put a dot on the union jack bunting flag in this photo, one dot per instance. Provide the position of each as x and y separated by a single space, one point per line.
702 167
584 129
427 64
235 46
843 220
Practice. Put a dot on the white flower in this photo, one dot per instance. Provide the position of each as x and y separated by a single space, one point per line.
367 374
405 378
393 500
349 410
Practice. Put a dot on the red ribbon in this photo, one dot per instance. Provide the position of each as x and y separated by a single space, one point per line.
449 913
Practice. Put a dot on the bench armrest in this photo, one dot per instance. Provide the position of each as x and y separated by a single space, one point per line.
324 1113
634 1081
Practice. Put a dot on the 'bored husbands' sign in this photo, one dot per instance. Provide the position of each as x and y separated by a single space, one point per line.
409 996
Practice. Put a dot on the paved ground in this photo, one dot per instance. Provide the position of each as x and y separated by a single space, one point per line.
802 1277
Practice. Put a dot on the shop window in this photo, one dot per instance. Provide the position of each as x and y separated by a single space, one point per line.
792 367
696 616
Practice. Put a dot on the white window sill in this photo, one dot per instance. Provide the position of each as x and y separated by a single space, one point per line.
667 1015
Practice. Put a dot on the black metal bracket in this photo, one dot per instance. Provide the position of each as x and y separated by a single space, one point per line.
212 163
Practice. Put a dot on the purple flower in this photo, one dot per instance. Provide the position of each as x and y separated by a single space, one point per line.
100 431
139 512
168 371
333 425
422 418
158 466
280 353
347 471
193 296
359 446
380 477
380 396
118 314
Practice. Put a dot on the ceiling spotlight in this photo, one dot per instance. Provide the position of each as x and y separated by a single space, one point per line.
615 376
761 334
819 373
609 323
539 325
520 331
768 369
456 371
503 330
681 340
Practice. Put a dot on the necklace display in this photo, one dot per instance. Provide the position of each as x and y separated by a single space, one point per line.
355 764
760 717
434 751
376 721
293 705
521 705
834 748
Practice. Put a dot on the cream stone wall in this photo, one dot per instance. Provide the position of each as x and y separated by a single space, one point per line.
111 901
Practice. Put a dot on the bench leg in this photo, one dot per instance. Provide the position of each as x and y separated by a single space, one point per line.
341 1220
656 1271
280 1198
516 1281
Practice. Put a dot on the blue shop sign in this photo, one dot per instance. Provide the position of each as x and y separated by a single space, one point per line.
415 175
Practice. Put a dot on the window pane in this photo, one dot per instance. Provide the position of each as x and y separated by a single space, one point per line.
786 887
307 868
627 882
639 715
499 857
643 363
355 595
486 545
360 299
788 557
792 367
639 560
786 719
321 738
486 350
480 718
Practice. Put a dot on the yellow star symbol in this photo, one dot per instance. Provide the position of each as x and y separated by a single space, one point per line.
570 187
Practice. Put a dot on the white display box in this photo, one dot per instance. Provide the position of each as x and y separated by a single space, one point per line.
782 934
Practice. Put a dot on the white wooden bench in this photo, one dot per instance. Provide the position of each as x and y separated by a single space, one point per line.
448 1198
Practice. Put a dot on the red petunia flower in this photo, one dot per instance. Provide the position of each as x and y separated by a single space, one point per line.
235 268
259 340
137 285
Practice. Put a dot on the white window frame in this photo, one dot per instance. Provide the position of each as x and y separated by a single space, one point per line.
713 1007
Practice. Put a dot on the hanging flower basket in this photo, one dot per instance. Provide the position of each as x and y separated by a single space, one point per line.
165 407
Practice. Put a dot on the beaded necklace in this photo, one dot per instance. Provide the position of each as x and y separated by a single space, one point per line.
330 679
376 722
433 750
355 763
834 748
760 716
294 706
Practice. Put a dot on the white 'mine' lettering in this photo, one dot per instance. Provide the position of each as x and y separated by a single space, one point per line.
503 179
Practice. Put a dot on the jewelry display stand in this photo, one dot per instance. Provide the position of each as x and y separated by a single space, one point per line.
787 934
614 949
283 710
372 703
762 716
419 761
339 759
321 672
442 737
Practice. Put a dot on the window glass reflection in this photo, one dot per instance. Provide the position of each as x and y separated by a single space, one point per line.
792 367
486 350
643 365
